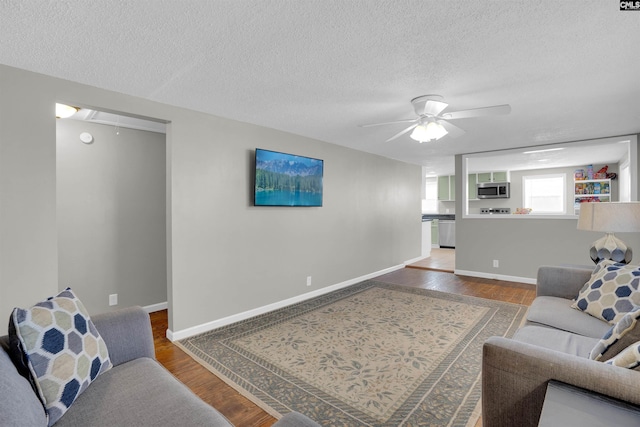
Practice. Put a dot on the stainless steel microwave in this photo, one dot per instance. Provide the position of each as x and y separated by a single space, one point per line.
493 190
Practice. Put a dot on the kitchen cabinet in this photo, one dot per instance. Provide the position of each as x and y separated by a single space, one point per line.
484 177
590 190
498 176
472 180
447 184
447 188
434 233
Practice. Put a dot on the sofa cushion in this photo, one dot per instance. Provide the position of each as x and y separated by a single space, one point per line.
612 291
555 339
19 405
64 350
620 336
565 405
140 393
557 313
627 358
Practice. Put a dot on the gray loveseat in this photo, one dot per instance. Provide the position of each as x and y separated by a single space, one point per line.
137 391
553 345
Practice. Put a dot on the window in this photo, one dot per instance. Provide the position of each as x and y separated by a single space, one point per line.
430 201
544 194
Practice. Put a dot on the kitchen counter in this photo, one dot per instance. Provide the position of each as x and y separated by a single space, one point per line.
444 217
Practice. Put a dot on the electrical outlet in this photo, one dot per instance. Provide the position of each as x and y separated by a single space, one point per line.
308 280
113 299
496 263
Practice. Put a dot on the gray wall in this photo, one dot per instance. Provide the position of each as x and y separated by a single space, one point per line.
522 244
111 215
225 256
28 234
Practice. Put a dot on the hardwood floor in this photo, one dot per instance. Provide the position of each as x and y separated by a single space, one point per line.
242 412
439 260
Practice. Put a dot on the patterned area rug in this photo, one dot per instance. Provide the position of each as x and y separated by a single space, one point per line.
372 354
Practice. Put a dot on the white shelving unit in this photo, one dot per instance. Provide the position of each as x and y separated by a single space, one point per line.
591 190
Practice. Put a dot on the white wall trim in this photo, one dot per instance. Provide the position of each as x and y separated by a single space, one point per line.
209 326
156 307
414 260
528 280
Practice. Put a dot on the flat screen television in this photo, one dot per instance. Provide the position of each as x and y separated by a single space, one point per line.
283 179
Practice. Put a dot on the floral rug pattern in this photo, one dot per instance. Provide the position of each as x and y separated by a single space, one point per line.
372 354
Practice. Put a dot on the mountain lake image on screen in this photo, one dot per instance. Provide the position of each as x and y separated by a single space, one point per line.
287 179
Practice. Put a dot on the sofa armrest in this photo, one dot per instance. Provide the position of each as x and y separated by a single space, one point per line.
562 282
515 377
127 333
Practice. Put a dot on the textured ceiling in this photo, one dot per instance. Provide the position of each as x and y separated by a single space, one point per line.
318 68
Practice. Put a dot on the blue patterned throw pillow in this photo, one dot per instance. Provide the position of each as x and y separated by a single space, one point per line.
628 358
63 349
619 337
612 291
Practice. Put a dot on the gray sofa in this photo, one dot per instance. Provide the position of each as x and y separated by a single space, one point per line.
137 391
553 345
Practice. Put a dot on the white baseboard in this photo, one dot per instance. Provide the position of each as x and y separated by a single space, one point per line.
414 260
528 280
215 324
156 307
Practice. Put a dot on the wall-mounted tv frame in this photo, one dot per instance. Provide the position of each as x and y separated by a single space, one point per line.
283 179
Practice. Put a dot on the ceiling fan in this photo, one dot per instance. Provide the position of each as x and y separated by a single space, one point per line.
432 124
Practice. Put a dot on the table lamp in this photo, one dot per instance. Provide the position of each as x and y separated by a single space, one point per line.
611 218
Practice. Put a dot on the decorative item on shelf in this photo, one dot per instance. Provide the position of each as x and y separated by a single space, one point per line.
610 218
522 211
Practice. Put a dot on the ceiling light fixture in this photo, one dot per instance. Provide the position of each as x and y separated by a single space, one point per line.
429 132
63 111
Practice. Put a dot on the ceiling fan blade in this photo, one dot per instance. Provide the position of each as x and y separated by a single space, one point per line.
496 110
389 123
402 132
452 130
433 108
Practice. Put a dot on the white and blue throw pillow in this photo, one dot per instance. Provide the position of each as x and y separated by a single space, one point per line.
619 337
628 358
612 291
63 350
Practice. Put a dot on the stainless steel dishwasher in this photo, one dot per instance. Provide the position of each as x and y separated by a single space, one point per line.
447 234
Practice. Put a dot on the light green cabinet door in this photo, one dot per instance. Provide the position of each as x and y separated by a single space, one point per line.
499 177
471 183
484 177
434 232
443 187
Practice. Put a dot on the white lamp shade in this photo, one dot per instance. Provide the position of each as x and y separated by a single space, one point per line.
614 217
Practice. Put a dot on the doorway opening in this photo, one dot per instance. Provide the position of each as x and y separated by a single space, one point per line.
111 209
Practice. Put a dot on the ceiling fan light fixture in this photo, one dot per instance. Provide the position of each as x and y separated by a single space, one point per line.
63 111
430 132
